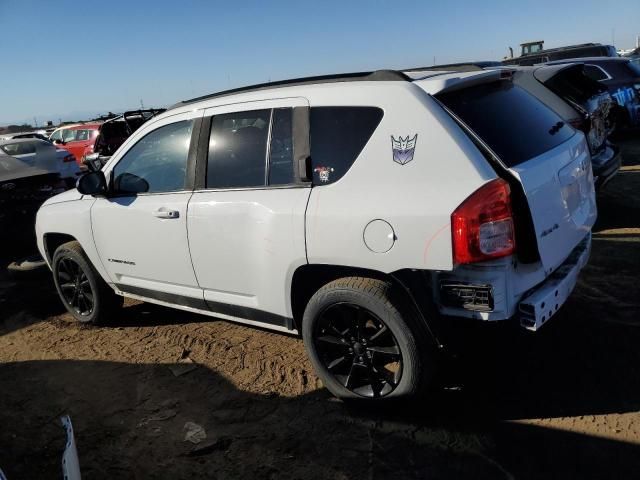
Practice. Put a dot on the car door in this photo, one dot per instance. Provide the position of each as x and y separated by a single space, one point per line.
246 219
140 227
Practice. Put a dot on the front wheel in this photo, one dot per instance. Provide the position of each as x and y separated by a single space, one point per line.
364 343
83 292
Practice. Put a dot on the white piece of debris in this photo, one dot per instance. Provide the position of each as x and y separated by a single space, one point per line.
184 365
195 433
70 461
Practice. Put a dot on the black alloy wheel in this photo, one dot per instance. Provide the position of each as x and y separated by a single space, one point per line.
75 286
358 350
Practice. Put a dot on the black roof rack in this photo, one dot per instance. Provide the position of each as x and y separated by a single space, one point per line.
375 76
457 67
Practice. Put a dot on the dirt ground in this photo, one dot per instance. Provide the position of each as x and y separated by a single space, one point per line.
562 403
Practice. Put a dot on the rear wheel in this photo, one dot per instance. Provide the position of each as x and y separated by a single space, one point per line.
83 292
363 343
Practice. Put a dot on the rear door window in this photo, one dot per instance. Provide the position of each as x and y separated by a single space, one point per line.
515 124
238 149
338 135
281 152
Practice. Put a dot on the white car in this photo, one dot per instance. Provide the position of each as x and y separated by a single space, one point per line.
340 208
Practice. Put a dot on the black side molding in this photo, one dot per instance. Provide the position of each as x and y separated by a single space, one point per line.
246 313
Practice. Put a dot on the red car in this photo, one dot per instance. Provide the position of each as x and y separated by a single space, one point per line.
77 139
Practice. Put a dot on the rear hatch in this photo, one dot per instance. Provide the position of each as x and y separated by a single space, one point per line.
547 156
586 95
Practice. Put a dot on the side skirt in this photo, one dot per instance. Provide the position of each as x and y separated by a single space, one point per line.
260 319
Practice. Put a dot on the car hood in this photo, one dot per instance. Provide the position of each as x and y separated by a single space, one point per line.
68 196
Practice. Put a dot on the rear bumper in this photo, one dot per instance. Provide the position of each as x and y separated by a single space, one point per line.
539 305
503 289
606 165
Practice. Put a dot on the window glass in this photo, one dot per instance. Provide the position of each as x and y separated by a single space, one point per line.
634 66
594 72
82 135
281 170
157 163
516 125
238 149
69 135
57 135
338 135
24 148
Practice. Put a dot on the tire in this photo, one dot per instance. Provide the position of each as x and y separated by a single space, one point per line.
371 305
83 292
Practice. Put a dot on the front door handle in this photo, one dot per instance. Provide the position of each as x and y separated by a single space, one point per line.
164 213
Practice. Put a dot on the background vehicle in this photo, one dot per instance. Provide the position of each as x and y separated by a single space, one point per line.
534 52
11 136
115 131
583 103
259 177
29 175
78 140
42 155
621 77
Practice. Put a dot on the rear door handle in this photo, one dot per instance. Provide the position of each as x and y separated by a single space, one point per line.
164 213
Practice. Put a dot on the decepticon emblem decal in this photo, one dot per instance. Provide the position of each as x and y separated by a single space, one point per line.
324 173
403 149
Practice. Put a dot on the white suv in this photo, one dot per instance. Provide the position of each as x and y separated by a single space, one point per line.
356 210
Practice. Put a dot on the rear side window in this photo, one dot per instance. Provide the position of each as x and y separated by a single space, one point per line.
515 124
595 72
338 135
238 149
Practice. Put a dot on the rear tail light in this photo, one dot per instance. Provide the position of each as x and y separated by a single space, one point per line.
69 158
579 123
482 226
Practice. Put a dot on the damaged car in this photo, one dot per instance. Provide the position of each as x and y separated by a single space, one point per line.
621 77
27 180
114 132
583 103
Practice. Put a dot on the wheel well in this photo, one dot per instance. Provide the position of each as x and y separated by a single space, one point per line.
53 240
308 279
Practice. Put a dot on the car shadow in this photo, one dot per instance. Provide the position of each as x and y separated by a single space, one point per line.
134 421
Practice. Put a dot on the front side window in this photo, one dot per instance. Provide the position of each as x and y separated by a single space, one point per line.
69 135
338 135
157 163
57 135
238 149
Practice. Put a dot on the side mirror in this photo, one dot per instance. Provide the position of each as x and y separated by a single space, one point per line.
129 183
92 183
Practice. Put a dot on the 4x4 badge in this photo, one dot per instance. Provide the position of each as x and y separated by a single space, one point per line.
403 149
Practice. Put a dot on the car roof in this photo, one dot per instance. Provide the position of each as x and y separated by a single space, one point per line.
6 141
587 59
86 126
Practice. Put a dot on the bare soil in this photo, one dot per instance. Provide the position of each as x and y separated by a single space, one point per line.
561 403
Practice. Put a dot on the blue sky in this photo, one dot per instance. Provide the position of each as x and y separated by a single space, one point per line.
68 59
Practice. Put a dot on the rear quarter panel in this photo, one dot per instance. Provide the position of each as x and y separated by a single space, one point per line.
417 198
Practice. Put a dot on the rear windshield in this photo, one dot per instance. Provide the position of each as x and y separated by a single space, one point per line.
515 124
573 83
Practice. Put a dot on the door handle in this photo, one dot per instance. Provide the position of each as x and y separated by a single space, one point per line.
164 213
